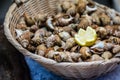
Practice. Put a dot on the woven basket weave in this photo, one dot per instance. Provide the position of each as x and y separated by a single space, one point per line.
82 70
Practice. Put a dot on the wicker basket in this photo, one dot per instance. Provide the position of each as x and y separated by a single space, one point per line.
82 70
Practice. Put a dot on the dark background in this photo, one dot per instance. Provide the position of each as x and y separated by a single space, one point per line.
12 63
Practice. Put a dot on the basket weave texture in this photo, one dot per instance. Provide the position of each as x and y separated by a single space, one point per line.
82 70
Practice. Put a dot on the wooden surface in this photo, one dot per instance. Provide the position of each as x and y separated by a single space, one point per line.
12 63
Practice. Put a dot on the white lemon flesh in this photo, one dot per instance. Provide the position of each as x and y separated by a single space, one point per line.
86 38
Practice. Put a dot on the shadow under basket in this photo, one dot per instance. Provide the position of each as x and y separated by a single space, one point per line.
81 70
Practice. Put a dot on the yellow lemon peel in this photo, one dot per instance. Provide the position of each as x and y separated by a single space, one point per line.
86 38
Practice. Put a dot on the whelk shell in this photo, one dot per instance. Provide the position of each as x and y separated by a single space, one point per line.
49 23
116 49
85 22
85 52
64 35
95 57
39 36
69 43
41 49
107 55
29 20
90 7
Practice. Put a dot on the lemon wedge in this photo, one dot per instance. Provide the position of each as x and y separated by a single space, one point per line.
86 38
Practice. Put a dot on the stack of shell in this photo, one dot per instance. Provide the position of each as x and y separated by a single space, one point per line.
53 36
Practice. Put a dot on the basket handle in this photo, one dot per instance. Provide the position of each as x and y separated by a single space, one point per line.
19 2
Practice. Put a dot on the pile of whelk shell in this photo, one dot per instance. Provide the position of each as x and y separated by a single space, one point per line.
53 36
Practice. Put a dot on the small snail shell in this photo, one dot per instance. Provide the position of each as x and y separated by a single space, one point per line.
116 20
69 43
116 49
22 26
102 32
96 19
107 55
67 29
77 18
76 57
66 5
19 32
85 22
95 57
31 48
21 20
57 40
41 49
49 23
24 38
41 17
90 7
81 6
103 45
24 43
29 20
64 35
64 20
39 36
117 34
34 28
72 10
110 30
50 41
114 40
105 19
85 52
74 49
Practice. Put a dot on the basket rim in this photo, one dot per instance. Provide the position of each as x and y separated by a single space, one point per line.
42 59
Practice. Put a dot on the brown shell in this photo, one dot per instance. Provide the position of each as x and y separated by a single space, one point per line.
81 6
107 55
85 22
85 52
41 49
29 20
105 19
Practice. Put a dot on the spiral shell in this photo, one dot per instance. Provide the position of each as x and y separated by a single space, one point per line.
114 40
24 38
116 49
90 7
64 35
81 6
50 41
96 19
85 52
41 49
63 20
31 48
95 57
85 22
101 47
34 28
49 23
22 26
69 43
105 19
29 20
39 36
41 17
107 55
72 10
66 5
116 20
101 32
